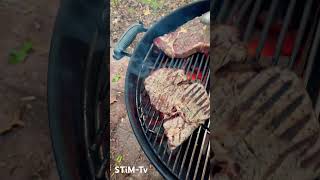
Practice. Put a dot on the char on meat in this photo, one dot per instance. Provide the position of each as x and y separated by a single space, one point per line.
264 125
161 85
226 46
185 104
188 39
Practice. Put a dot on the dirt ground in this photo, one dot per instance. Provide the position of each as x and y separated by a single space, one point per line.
125 149
25 151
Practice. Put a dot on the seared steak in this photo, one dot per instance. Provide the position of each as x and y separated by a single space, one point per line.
177 131
185 104
226 46
161 85
264 125
188 39
193 108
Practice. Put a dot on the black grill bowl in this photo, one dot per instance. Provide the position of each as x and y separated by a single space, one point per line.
77 50
138 67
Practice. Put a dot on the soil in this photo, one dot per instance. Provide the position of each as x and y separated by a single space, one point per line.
23 103
25 151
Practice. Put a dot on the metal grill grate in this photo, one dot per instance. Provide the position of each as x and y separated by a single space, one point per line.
303 15
190 160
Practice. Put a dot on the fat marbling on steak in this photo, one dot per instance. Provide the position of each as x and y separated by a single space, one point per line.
185 104
188 39
264 125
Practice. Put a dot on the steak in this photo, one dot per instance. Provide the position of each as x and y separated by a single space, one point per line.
188 39
185 104
193 108
177 131
264 125
226 46
160 86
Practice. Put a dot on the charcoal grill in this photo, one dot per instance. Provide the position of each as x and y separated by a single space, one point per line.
192 158
190 161
77 90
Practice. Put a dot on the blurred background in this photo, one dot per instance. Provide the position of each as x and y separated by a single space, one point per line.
25 34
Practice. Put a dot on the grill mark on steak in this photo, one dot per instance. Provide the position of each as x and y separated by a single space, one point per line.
293 131
314 158
312 143
199 97
247 81
268 104
276 121
244 106
247 104
188 92
296 147
201 109
202 102
192 95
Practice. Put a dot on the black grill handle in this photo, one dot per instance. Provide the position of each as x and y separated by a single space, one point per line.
126 39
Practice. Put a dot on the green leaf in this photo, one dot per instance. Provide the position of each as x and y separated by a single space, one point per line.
18 56
116 78
119 158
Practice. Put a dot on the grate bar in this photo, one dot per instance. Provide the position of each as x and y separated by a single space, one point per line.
284 31
186 152
252 20
234 8
200 66
243 10
223 11
266 27
205 67
312 56
178 157
193 151
317 107
199 157
206 161
302 28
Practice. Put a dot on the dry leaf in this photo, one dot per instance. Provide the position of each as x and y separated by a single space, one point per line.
13 125
146 11
113 99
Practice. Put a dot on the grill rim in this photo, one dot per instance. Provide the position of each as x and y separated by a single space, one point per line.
164 25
